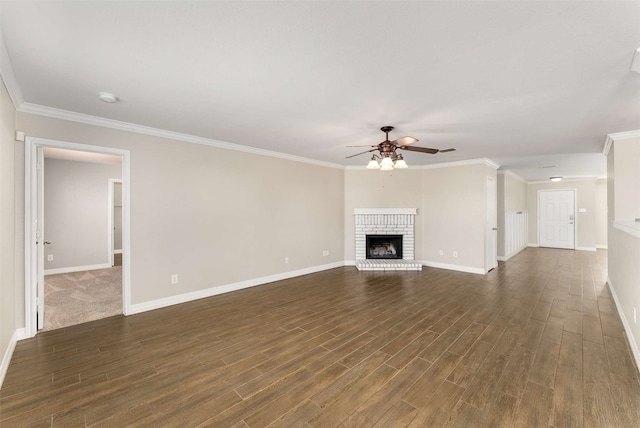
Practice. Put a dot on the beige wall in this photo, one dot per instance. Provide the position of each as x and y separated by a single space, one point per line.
515 191
585 198
451 204
627 161
623 247
381 189
76 203
601 213
8 303
213 216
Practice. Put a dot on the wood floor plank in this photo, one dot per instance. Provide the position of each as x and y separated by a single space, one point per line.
535 406
536 342
567 398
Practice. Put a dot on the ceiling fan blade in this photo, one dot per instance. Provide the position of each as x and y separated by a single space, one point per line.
447 150
361 153
367 145
419 149
404 141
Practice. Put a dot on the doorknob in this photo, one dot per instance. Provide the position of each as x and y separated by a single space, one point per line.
47 242
495 228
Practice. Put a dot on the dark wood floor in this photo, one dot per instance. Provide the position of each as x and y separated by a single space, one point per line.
535 343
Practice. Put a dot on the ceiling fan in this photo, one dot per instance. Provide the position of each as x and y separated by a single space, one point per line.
388 154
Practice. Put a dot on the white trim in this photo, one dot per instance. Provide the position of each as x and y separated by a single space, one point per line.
627 327
392 211
585 248
533 245
110 220
602 247
117 251
162 133
76 269
513 175
631 227
617 137
6 358
564 180
607 145
30 144
221 289
459 268
507 257
485 161
349 262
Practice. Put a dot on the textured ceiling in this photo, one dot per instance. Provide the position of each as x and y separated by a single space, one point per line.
524 84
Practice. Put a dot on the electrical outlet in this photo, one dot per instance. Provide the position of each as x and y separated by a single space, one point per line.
286 259
174 279
325 253
442 252
635 320
50 258
455 254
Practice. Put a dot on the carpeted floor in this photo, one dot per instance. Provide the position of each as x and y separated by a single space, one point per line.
75 298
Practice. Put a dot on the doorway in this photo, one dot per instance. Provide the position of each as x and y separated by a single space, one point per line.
556 219
36 239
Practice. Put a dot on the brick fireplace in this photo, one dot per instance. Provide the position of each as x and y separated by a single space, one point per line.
385 221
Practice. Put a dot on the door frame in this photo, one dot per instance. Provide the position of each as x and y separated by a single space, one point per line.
111 219
30 217
575 213
491 227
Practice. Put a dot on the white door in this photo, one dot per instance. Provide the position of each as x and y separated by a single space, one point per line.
556 218
40 242
491 258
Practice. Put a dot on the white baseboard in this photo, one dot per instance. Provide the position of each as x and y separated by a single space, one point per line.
459 268
627 328
213 291
349 262
6 358
76 269
507 257
531 244
586 248
602 247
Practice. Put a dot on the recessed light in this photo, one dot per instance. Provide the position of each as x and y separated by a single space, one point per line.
107 97
555 178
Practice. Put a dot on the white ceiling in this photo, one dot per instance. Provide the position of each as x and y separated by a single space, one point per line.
524 84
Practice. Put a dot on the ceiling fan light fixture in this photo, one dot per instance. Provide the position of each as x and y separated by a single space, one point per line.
400 163
555 179
386 164
373 164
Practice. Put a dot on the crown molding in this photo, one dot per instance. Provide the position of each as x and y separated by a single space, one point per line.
618 136
513 175
565 180
156 132
485 161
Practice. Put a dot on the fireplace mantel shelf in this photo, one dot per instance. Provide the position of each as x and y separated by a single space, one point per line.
410 211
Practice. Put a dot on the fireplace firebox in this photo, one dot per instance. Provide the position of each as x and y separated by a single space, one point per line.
384 246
